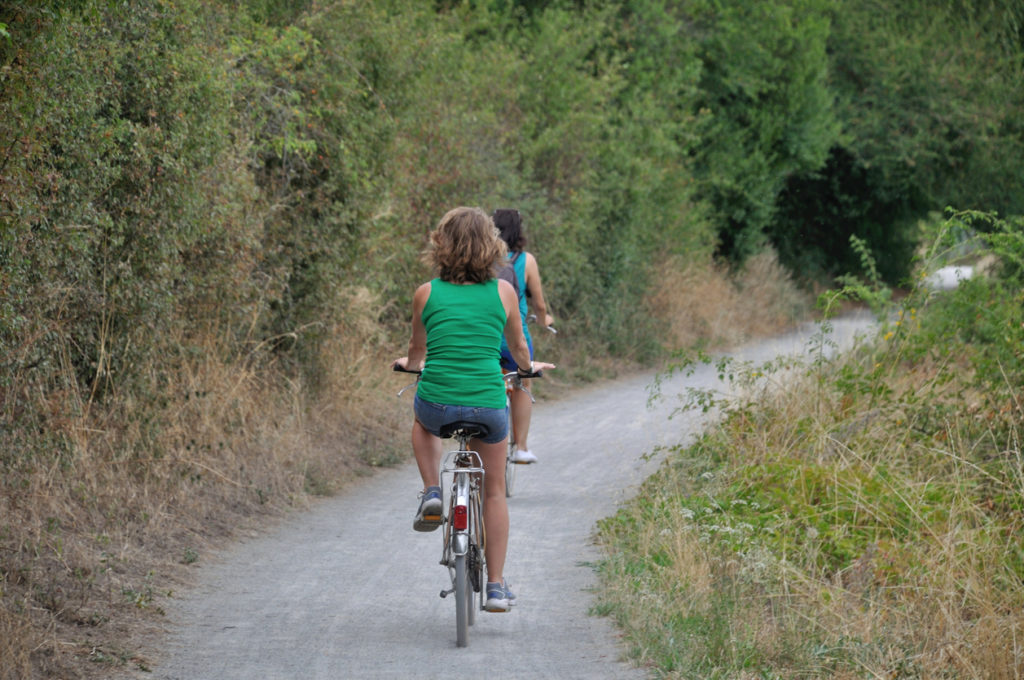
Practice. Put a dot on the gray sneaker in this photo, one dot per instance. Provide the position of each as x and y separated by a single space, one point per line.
428 517
499 597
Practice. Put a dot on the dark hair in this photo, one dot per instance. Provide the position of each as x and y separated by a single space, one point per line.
510 225
465 248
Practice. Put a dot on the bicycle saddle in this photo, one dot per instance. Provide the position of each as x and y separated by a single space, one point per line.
472 430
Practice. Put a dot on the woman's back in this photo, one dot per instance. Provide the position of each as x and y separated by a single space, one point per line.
518 262
464 324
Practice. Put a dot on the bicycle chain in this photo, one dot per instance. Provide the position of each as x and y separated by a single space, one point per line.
473 563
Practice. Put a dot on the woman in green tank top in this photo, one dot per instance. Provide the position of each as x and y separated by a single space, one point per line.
458 320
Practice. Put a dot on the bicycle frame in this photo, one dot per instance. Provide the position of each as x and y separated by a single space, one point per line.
513 381
461 465
464 534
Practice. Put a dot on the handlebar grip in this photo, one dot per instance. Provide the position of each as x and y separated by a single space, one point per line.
398 369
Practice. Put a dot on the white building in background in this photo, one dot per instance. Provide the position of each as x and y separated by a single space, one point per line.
948 278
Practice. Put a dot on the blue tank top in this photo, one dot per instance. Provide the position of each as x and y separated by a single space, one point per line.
519 265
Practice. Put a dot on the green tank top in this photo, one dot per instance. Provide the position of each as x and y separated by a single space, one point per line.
464 326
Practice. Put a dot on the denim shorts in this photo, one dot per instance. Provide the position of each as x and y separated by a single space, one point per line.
507 362
433 416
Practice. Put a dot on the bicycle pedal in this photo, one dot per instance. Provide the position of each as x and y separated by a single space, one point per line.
432 518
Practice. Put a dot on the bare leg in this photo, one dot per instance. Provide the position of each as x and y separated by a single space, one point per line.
495 507
427 450
522 408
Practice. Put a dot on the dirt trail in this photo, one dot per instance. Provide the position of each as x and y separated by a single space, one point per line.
348 590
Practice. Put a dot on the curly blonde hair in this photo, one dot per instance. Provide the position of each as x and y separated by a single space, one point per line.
466 247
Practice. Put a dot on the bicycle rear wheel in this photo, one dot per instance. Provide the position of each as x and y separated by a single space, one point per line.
470 595
462 600
475 564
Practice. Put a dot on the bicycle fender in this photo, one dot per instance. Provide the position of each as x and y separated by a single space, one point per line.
460 544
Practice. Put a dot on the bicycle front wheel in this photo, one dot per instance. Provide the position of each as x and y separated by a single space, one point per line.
462 601
510 469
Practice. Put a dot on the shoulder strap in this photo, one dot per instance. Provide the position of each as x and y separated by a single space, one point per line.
508 272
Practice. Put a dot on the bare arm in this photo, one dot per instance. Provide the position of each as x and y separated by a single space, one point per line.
413 361
517 346
533 284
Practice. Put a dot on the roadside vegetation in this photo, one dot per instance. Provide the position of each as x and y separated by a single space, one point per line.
848 517
212 214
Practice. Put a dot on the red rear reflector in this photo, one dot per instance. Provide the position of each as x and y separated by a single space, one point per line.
461 519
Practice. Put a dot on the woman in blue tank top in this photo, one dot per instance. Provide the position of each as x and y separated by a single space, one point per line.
510 225
458 320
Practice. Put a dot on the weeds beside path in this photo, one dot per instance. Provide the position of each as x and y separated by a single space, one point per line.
861 517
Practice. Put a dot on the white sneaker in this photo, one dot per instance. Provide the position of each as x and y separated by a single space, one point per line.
523 457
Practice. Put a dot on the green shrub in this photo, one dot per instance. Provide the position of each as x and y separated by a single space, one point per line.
768 109
927 98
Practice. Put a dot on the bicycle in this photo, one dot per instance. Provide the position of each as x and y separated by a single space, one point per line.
464 535
513 381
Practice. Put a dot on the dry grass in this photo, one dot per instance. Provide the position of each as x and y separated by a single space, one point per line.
707 303
17 640
878 548
93 542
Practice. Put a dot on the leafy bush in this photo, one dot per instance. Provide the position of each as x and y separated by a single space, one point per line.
926 96
123 203
768 110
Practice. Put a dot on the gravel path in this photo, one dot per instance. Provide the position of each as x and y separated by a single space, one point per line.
348 590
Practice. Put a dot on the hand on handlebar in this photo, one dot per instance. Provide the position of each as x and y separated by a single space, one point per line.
542 366
402 366
535 370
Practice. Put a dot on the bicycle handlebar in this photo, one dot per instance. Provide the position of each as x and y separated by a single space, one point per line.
533 317
535 374
514 377
521 376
